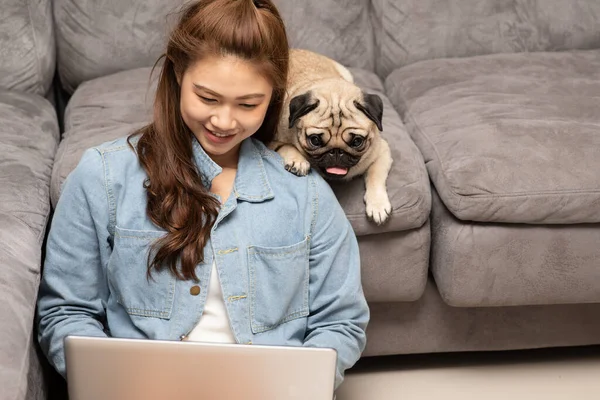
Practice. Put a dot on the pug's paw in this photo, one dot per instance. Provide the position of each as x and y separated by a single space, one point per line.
378 206
297 167
294 161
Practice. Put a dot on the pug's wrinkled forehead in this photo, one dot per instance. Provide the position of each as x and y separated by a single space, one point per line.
332 110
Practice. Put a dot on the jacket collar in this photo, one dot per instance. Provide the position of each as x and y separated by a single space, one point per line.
251 180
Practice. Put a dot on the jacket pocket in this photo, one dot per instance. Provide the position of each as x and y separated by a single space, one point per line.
279 279
127 275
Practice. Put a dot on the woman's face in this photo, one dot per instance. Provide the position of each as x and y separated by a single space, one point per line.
224 100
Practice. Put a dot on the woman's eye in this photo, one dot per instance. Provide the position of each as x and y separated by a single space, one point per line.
207 99
357 142
315 140
249 106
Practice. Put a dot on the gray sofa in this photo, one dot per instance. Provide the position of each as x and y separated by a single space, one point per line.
491 112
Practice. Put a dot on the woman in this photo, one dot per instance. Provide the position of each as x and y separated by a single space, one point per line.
191 229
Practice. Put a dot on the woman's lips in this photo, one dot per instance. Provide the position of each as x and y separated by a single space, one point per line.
218 138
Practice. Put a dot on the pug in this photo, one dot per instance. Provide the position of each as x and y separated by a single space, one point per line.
331 125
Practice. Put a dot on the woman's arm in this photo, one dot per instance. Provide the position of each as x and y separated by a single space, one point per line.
338 309
73 291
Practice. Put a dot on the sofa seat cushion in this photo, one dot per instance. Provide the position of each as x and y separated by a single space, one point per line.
395 256
508 137
29 137
488 264
395 264
113 106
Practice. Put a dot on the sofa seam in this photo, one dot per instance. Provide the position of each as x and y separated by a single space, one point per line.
35 45
536 193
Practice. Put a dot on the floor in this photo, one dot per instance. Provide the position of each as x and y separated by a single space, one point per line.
556 374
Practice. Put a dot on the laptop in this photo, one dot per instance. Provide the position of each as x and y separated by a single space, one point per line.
132 369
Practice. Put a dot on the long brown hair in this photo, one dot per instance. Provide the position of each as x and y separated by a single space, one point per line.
177 200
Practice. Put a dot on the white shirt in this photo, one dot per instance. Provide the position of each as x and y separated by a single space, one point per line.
214 324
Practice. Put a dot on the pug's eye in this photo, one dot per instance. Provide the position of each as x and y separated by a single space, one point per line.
315 140
357 141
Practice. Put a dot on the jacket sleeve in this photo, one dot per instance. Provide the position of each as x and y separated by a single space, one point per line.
338 310
73 289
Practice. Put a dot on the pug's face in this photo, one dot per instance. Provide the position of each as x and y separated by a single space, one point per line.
336 130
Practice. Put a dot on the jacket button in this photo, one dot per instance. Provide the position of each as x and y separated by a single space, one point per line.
195 290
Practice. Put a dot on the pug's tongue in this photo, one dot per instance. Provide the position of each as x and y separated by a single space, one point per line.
337 171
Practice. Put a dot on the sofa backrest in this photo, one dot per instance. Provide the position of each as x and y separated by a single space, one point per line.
101 37
27 47
412 30
340 29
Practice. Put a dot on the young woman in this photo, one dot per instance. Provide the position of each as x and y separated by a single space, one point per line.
191 229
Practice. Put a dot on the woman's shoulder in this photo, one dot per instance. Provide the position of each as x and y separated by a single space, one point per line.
312 183
115 155
119 151
123 147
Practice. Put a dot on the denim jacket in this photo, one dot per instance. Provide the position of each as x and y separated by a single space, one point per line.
286 255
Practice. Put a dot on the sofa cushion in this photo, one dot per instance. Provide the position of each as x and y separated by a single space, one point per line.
28 140
486 265
89 48
415 30
340 29
27 48
395 264
508 138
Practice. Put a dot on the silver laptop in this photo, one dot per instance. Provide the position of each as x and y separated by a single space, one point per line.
131 369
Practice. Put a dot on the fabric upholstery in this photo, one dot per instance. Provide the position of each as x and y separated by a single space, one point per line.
37 389
395 264
508 138
431 326
95 38
407 31
27 47
28 140
487 265
89 46
340 29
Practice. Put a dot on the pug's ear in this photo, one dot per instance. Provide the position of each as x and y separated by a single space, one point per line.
299 107
372 107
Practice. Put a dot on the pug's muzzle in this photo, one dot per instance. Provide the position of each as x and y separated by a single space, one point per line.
335 163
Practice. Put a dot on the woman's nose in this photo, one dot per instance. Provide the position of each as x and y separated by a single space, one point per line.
223 120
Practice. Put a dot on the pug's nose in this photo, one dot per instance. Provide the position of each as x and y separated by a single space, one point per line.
336 152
